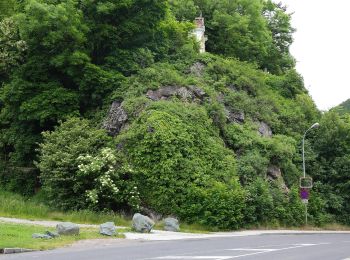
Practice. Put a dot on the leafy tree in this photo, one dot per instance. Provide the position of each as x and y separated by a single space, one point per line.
256 31
330 167
7 8
279 58
12 48
59 162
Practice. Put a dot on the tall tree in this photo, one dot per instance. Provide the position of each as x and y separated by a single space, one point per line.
279 58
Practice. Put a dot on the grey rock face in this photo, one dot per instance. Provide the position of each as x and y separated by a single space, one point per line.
198 92
42 236
108 229
264 129
220 97
141 223
162 93
116 119
197 69
171 224
185 93
234 117
274 172
67 228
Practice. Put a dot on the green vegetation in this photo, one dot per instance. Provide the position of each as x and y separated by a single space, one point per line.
213 139
17 235
343 108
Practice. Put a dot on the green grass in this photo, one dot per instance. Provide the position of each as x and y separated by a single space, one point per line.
20 235
16 206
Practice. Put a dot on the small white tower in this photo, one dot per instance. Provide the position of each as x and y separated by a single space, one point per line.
198 33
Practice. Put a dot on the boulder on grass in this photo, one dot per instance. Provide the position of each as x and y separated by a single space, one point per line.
108 229
52 234
171 224
67 228
42 236
141 223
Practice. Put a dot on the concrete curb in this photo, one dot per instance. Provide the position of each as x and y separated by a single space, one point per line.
45 223
158 235
15 250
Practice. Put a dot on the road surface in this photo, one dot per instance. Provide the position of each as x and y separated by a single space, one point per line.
266 246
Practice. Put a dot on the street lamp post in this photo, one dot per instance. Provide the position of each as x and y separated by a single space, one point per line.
316 125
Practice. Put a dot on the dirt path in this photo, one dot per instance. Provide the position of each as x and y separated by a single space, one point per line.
45 223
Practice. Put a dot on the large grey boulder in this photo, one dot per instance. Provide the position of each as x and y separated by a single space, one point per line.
67 228
141 223
116 119
171 224
108 229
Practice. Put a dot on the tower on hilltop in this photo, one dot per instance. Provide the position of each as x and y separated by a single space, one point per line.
198 33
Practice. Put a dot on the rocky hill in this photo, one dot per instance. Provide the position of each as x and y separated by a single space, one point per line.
116 106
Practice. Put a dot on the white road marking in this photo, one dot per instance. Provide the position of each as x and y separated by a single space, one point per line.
253 251
195 257
262 251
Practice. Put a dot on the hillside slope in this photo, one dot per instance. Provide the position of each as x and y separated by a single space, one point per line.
343 108
109 106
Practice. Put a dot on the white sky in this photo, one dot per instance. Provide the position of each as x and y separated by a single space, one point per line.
322 48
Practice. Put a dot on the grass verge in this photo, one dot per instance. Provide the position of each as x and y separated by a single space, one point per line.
16 206
20 235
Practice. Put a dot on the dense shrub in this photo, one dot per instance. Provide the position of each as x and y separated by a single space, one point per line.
219 205
174 150
58 161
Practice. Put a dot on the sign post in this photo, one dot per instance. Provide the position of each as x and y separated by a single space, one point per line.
304 195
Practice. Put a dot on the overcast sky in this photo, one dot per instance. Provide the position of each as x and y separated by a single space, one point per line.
322 48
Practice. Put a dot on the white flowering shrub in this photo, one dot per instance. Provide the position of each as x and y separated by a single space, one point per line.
78 170
110 185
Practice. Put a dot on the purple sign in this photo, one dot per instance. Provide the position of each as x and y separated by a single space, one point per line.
304 194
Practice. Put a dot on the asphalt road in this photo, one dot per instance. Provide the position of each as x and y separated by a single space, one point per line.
268 246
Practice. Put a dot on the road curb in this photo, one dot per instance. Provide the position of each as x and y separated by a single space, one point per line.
15 250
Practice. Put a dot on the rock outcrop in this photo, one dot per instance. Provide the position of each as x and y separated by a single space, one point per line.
197 69
190 93
274 174
116 119
264 129
234 116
